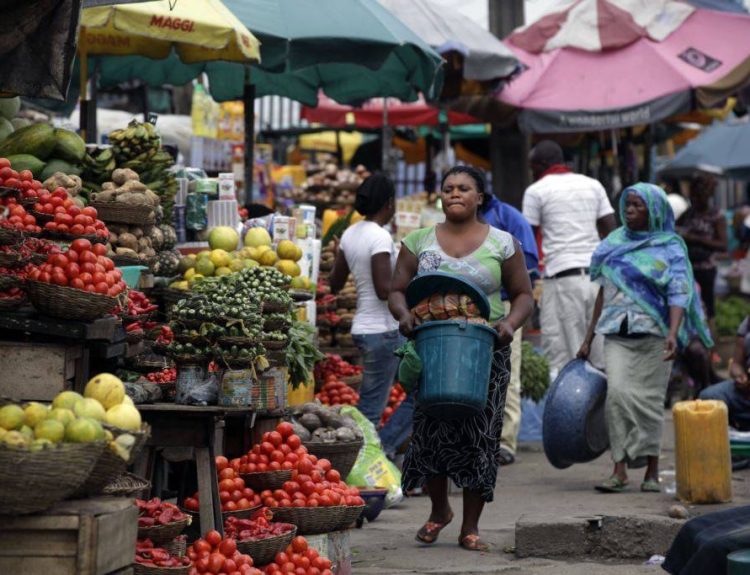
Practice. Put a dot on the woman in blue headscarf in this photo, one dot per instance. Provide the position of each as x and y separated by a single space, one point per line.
646 307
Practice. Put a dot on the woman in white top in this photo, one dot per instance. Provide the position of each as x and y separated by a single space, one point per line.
367 251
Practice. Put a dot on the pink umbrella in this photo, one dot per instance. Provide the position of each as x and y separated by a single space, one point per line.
371 114
603 64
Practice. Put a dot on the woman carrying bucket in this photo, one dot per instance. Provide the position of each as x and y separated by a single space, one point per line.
646 305
466 450
367 250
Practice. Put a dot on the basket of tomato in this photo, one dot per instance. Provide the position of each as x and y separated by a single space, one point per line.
160 521
152 560
259 536
80 284
237 499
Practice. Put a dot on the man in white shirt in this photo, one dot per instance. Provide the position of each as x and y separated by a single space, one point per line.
574 214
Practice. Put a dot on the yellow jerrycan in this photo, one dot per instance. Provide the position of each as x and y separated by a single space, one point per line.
702 456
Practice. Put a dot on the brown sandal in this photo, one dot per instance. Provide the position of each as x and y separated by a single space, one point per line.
473 542
429 532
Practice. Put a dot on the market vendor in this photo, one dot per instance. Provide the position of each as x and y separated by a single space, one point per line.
367 251
465 451
646 303
735 392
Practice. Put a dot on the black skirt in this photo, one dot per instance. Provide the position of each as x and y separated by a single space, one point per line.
464 450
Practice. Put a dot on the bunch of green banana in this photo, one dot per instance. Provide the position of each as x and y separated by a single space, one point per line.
139 142
98 166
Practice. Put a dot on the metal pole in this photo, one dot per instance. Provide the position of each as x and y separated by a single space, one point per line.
249 103
386 147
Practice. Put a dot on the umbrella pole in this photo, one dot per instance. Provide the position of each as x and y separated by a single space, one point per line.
385 159
249 103
83 60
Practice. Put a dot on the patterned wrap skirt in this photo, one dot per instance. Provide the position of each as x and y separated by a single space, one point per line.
464 450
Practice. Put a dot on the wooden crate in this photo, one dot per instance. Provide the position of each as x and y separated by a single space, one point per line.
36 371
81 537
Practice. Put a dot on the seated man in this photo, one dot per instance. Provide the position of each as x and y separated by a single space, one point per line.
736 391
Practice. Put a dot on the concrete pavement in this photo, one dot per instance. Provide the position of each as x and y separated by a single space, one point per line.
538 494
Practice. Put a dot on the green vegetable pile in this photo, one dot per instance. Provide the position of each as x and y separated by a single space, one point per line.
302 354
729 314
534 373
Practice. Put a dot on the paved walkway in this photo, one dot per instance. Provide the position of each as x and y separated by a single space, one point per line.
529 487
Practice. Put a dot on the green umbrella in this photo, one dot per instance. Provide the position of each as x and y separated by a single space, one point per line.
350 49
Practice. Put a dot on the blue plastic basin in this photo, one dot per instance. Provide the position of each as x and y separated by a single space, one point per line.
131 275
456 361
574 429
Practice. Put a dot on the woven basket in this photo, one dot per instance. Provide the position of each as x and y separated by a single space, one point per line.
342 455
274 307
185 338
238 341
69 303
350 515
134 336
266 479
117 212
27 203
110 466
127 485
160 534
276 324
311 520
8 281
177 547
139 569
60 237
38 259
34 481
126 261
263 551
12 303
9 236
43 218
241 513
189 359
275 345
11 260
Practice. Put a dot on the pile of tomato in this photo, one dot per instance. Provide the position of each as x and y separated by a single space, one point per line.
214 554
85 267
395 398
166 375
314 483
336 392
233 493
334 365
69 217
10 178
299 558
19 219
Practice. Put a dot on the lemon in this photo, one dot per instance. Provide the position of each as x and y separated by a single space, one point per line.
257 237
11 417
106 388
64 416
268 258
34 413
50 429
83 430
90 407
220 258
288 267
66 399
15 439
124 417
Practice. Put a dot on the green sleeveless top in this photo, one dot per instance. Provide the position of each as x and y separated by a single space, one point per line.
483 267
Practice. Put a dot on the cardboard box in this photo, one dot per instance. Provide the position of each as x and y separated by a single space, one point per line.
36 371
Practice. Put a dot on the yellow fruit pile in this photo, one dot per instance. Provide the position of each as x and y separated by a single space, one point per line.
257 251
73 418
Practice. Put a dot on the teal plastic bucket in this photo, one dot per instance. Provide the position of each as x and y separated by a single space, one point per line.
131 275
738 562
456 361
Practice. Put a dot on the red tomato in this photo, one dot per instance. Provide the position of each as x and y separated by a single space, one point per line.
72 256
213 538
267 447
101 250
275 438
225 472
25 175
215 562
294 441
72 270
86 267
89 211
105 262
200 545
333 475
87 257
58 260
285 429
101 287
4 168
86 277
227 547
226 485
99 277
59 279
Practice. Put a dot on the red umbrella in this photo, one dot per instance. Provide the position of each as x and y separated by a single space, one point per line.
372 114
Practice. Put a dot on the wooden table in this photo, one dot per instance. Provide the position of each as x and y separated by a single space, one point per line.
203 429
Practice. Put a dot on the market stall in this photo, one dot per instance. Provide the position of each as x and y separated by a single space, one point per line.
209 352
